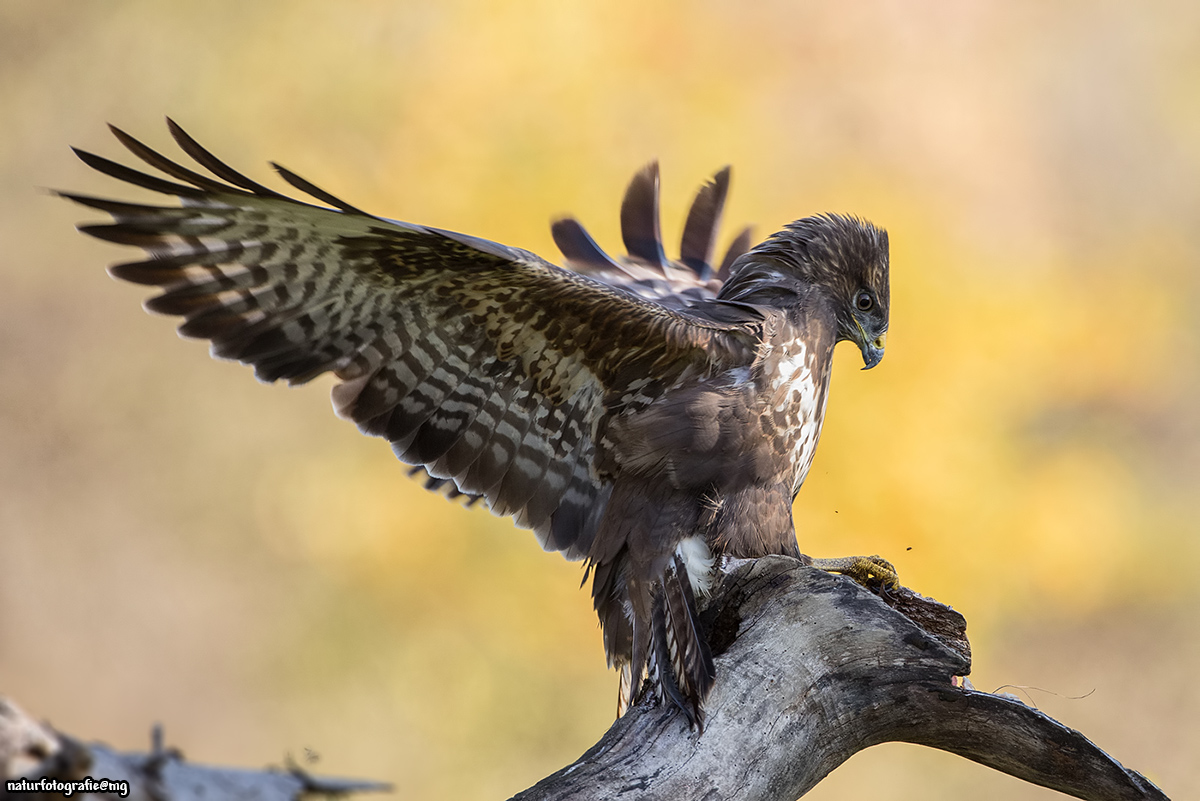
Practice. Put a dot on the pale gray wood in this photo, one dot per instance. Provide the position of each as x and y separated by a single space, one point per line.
811 669
33 750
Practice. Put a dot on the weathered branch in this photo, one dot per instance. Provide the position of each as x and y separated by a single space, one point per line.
34 751
813 668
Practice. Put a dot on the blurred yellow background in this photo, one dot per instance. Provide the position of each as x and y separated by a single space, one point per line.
181 544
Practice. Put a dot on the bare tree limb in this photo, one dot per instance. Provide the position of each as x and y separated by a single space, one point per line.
34 751
813 668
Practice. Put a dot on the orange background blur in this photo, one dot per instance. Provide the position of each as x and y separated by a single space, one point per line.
181 544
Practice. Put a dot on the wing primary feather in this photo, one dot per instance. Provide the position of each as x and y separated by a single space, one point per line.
738 247
312 189
463 458
161 270
443 486
214 165
185 297
161 162
504 495
121 234
703 219
578 246
541 508
113 207
530 483
446 426
137 215
577 544
135 177
639 218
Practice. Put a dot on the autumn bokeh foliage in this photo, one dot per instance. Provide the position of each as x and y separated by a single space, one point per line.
181 544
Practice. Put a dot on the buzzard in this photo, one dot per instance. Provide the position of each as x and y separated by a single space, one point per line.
643 414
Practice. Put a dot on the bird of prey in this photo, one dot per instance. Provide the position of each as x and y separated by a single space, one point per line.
643 414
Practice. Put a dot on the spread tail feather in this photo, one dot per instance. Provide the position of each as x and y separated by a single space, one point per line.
625 690
667 649
681 660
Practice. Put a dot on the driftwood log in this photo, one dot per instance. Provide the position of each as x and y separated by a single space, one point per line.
812 668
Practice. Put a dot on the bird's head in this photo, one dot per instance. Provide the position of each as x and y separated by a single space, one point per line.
843 259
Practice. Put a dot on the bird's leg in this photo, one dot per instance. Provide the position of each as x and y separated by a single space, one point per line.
869 571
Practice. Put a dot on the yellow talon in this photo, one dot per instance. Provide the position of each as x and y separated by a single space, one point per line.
868 571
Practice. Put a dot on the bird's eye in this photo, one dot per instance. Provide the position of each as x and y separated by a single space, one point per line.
864 301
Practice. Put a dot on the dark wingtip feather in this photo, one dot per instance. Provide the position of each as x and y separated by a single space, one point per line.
312 189
578 247
443 486
180 302
152 272
132 176
213 164
161 162
739 246
704 217
639 217
113 207
121 234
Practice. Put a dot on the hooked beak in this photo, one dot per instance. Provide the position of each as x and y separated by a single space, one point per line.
872 350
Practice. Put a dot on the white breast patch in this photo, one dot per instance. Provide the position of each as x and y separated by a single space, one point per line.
798 400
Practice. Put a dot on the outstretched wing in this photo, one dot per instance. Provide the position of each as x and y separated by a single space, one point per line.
484 364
